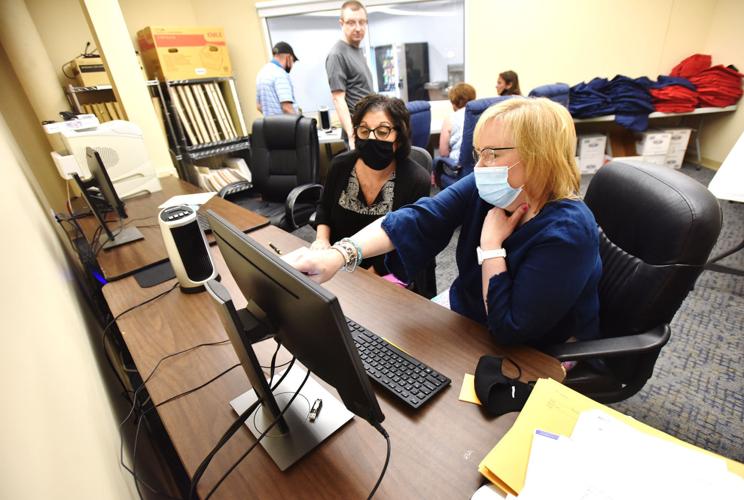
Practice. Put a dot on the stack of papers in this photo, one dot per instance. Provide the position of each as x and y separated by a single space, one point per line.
564 445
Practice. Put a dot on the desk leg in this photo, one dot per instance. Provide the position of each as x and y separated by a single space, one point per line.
712 266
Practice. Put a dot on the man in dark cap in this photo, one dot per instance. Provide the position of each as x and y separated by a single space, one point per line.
274 92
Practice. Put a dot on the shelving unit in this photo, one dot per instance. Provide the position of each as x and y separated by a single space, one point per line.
211 126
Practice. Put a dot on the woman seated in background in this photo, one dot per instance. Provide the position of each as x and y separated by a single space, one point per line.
528 249
508 84
450 138
373 179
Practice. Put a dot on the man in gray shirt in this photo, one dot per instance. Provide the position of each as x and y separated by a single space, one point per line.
348 74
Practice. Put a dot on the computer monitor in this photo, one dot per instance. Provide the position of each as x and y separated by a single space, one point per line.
307 320
106 196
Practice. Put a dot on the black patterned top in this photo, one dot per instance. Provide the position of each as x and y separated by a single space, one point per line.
344 209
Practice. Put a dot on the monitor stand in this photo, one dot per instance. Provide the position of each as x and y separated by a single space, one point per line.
122 237
294 435
303 435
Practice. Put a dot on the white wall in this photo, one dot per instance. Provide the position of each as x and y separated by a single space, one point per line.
311 37
57 427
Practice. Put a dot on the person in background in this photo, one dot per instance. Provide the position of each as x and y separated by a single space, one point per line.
375 178
528 248
508 83
274 92
450 137
349 77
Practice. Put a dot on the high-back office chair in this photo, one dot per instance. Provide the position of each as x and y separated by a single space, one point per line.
284 167
420 112
422 157
557 92
657 228
447 171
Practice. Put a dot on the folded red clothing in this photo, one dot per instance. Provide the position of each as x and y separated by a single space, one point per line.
674 107
674 99
692 65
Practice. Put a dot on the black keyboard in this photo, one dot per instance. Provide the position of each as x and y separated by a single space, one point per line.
403 376
203 221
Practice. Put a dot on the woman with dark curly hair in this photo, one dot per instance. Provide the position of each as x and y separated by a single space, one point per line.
375 178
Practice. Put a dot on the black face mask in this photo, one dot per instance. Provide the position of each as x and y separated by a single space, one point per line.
497 393
375 153
287 69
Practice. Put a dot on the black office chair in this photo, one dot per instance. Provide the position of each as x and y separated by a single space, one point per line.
657 228
422 157
284 166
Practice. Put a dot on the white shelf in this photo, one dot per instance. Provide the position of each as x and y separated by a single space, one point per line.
658 114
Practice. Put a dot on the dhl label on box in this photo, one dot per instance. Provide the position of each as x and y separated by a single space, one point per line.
182 53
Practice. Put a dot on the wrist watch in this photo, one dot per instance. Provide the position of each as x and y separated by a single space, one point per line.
484 255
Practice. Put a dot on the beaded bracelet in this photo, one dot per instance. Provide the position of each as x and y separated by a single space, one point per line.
350 251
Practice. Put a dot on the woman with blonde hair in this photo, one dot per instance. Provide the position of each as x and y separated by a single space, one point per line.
528 250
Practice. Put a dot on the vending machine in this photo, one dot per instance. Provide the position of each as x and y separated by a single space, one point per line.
402 70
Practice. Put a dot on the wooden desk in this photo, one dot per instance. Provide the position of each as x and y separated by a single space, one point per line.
435 451
142 212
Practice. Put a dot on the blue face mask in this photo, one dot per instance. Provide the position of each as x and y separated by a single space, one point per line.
493 185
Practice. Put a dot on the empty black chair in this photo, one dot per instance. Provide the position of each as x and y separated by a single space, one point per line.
284 166
657 228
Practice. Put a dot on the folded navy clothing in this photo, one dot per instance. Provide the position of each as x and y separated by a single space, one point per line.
587 100
627 98
558 92
632 101
665 81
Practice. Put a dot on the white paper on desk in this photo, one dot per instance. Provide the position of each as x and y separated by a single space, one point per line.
196 199
626 463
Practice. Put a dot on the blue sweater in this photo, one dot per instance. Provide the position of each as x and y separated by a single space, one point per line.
549 292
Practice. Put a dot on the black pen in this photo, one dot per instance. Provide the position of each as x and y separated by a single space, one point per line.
275 248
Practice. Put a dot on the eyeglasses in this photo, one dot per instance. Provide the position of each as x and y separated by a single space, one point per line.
352 23
381 131
487 156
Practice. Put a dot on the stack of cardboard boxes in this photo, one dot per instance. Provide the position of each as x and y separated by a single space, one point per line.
679 139
664 146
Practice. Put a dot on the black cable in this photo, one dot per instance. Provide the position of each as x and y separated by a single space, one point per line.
384 433
272 368
186 393
65 73
110 323
237 424
258 440
134 405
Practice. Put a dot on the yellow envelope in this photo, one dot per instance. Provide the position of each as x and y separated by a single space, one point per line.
553 407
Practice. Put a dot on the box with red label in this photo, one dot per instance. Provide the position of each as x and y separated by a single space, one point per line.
184 53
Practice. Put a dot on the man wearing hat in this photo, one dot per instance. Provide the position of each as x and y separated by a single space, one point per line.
274 92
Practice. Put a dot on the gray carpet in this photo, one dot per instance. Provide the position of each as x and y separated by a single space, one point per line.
697 390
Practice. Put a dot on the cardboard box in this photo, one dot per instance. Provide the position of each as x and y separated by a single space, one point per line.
89 71
652 159
675 160
591 164
184 53
680 136
591 146
653 142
